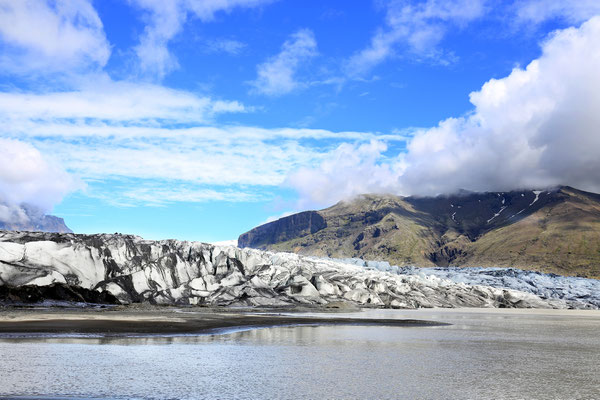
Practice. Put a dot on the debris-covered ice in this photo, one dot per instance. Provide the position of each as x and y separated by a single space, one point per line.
547 286
180 272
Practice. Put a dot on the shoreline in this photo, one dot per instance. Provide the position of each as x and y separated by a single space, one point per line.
156 322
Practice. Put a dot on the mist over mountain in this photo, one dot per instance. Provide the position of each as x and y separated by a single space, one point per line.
27 217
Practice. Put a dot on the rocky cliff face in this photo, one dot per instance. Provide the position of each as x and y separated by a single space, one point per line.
26 217
179 272
551 231
287 228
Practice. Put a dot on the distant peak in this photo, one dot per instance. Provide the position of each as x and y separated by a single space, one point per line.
27 217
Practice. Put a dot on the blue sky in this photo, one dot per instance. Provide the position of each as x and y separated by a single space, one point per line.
200 119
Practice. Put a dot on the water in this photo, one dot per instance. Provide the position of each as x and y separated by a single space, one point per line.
486 354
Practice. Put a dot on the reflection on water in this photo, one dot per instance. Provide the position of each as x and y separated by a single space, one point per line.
483 355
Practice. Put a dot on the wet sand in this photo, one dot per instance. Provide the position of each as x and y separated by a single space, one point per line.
169 321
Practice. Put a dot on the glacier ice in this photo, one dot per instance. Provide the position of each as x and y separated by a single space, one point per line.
181 272
571 289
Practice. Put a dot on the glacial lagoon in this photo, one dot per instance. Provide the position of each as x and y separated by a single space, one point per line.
484 354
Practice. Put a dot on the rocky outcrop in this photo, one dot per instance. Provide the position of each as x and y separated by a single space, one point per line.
57 292
180 272
286 228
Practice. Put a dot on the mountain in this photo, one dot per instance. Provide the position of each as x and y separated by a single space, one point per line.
36 266
26 217
554 231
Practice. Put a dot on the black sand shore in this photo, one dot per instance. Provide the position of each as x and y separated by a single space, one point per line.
168 321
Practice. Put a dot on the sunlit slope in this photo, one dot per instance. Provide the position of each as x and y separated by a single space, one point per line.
372 227
553 231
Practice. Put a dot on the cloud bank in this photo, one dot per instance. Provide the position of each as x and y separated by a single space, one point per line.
51 36
27 177
534 128
537 127
158 145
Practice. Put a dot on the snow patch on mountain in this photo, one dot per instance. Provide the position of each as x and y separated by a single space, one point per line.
537 196
497 214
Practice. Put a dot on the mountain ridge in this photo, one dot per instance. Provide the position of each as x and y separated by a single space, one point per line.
26 217
554 230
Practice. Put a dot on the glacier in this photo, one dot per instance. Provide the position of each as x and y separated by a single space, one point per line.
176 272
545 285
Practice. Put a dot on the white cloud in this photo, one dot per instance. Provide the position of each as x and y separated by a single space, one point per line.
276 217
28 177
417 27
193 168
538 11
107 101
229 163
229 46
152 193
194 160
13 213
161 138
535 128
348 170
165 19
232 242
48 36
276 76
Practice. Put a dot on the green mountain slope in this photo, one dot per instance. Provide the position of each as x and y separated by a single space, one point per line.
551 231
